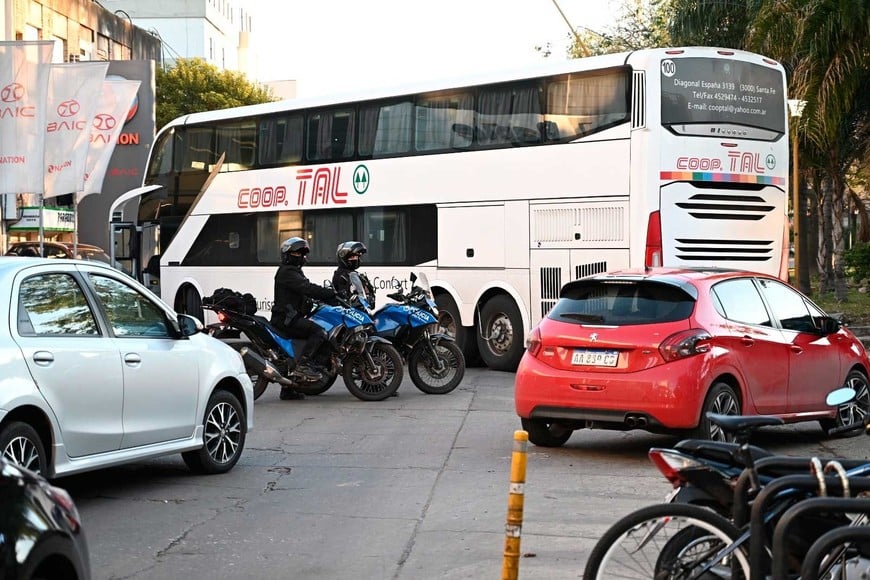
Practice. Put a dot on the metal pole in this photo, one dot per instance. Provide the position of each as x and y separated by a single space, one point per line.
513 528
796 212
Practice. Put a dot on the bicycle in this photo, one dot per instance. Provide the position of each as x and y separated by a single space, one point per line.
691 541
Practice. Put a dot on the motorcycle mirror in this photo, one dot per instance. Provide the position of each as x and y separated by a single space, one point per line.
413 277
840 396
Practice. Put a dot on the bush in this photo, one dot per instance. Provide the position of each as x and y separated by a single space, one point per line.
857 261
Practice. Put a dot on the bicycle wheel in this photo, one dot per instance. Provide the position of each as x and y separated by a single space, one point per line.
668 541
840 553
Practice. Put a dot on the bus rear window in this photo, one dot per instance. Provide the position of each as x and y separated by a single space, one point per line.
712 97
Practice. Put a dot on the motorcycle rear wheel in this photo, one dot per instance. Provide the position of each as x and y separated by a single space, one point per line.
424 371
260 384
321 386
376 383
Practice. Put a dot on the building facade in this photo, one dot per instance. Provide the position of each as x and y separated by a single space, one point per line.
82 30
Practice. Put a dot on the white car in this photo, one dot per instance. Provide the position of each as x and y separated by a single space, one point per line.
96 371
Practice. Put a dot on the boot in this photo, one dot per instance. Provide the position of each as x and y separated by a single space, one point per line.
306 372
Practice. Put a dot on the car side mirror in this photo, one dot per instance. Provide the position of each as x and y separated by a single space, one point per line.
828 325
188 325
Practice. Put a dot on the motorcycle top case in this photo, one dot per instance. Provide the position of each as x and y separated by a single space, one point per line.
328 317
393 316
228 299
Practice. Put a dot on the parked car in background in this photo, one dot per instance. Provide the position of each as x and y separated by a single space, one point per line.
41 535
97 371
657 349
59 250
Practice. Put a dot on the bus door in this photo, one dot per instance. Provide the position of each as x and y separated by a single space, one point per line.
149 255
122 247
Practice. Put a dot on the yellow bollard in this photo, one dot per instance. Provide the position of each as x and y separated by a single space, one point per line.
513 528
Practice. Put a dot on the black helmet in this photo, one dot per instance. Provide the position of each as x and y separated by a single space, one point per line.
349 253
293 246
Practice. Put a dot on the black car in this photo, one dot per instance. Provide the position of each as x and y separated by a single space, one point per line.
41 535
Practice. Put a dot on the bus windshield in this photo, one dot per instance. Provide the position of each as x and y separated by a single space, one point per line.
704 96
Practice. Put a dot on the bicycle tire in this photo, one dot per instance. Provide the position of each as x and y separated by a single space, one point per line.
827 543
642 536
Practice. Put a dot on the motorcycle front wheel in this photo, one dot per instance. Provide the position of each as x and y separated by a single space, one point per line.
436 369
377 381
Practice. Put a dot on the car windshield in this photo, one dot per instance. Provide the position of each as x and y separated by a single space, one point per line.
623 302
94 255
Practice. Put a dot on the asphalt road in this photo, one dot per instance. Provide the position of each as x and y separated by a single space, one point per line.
415 487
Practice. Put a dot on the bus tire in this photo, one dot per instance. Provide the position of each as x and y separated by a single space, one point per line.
501 336
451 323
190 302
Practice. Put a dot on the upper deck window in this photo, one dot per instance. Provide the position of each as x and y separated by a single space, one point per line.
583 103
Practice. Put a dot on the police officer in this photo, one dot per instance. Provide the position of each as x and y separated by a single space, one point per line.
292 302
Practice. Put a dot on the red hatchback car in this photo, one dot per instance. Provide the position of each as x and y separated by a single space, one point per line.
657 349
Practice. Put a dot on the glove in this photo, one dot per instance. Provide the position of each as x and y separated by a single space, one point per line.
333 300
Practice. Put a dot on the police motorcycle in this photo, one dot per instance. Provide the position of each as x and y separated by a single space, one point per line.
435 363
370 366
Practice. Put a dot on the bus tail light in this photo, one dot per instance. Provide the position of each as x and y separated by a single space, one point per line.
653 255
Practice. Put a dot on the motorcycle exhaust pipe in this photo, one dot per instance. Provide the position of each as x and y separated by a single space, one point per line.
262 367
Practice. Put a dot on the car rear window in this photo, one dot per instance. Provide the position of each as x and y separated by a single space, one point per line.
622 302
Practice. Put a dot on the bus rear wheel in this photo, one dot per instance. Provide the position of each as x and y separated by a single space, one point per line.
501 336
189 302
450 323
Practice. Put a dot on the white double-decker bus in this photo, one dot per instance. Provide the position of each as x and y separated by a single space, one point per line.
500 188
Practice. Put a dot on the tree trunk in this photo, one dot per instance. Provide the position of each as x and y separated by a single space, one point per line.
838 213
826 274
863 234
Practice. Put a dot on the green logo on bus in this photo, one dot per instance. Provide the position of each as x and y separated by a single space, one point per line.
770 161
360 179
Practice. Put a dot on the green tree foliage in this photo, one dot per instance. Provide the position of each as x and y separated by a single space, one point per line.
722 23
639 24
192 85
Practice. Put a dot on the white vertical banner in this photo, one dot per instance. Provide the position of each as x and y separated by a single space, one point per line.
115 101
24 68
73 94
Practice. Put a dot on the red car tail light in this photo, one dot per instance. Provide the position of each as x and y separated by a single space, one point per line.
684 344
533 342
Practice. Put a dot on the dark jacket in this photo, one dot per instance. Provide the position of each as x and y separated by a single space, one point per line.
343 287
293 295
341 282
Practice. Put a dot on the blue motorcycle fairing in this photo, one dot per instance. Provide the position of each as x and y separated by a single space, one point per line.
393 316
284 343
328 317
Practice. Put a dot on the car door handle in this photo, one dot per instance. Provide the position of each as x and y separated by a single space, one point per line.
131 358
747 341
43 358
796 349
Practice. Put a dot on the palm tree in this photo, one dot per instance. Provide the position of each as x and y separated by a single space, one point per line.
826 43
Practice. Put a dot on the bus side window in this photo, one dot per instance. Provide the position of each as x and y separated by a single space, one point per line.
330 135
280 140
444 122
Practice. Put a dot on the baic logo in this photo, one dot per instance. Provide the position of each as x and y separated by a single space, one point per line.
104 122
68 108
12 92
